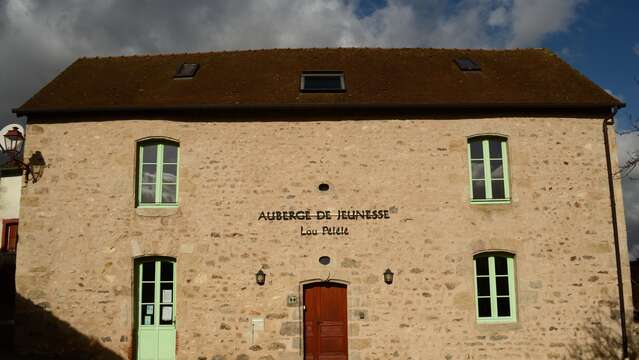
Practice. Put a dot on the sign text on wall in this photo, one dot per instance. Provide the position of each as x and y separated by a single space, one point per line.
340 215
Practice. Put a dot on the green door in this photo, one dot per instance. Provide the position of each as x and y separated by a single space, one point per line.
156 309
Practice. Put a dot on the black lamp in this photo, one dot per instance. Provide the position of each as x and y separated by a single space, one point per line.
388 276
13 144
36 164
260 277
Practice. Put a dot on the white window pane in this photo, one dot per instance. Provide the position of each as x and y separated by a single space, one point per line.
147 193
503 306
148 291
476 151
166 271
148 173
501 265
496 169
502 285
483 305
483 286
170 153
150 154
498 189
148 271
478 169
481 265
169 174
479 189
494 145
168 194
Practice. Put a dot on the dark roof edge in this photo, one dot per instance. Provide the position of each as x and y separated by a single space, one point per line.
285 107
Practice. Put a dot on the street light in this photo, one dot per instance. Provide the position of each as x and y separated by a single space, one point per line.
13 141
260 277
388 276
13 144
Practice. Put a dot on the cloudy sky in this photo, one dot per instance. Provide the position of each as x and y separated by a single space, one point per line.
599 38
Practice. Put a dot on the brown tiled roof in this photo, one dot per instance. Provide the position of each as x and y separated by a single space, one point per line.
532 78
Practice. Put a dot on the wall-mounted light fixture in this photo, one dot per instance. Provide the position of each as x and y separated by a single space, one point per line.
260 277
388 276
13 141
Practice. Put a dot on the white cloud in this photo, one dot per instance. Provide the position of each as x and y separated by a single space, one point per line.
498 17
40 38
532 20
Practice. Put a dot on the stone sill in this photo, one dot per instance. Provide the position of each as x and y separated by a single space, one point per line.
156 212
491 202
497 326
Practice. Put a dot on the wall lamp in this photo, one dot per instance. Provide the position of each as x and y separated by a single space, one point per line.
13 143
260 277
388 276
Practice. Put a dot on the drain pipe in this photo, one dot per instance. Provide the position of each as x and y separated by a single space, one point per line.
615 233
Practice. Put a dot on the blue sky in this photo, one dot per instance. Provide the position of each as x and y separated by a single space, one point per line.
603 43
599 38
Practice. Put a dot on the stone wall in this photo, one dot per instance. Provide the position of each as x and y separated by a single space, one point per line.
80 232
10 188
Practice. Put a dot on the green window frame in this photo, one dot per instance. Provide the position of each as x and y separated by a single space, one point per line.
495 295
158 174
161 278
489 170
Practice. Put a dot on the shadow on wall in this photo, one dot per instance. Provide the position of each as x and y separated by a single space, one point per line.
7 300
47 337
600 337
52 338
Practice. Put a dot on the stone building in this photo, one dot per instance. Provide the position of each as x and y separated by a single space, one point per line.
10 186
248 204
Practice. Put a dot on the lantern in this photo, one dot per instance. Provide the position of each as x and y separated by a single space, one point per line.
13 141
388 276
260 277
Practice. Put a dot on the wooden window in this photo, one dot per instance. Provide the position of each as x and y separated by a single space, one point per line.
157 174
322 81
495 287
9 235
488 166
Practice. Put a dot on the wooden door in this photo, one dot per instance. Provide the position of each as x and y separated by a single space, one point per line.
325 322
156 310
9 235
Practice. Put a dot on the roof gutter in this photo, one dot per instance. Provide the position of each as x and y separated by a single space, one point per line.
615 232
301 107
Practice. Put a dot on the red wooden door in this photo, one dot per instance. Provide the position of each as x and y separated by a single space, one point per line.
9 235
325 326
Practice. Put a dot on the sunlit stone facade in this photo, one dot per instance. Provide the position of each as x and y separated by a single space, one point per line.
81 233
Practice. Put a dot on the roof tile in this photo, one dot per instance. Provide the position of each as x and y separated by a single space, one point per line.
411 76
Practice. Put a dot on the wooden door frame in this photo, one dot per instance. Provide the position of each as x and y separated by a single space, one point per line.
300 308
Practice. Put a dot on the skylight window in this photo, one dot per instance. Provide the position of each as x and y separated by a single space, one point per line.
186 71
324 81
466 64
